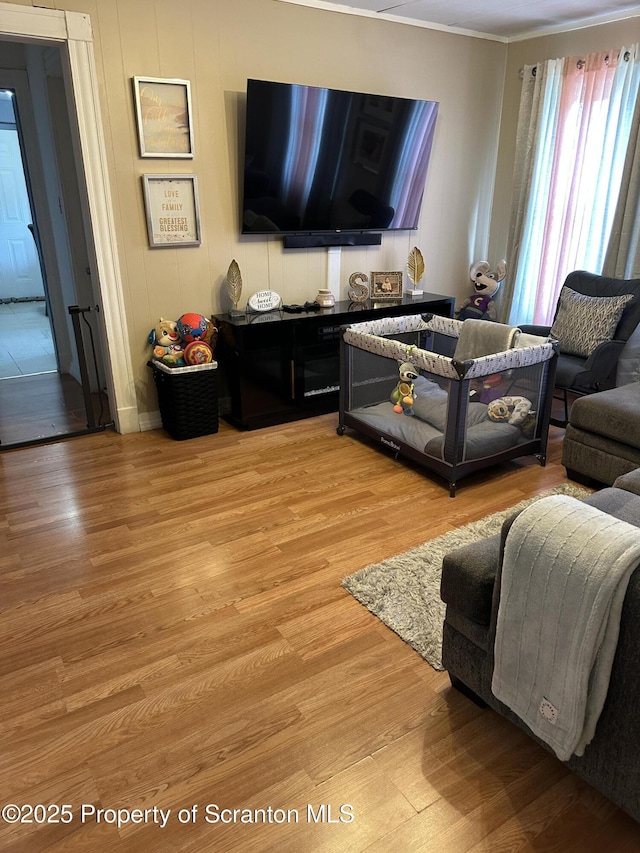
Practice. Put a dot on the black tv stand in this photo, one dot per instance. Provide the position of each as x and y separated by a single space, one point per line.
316 241
278 367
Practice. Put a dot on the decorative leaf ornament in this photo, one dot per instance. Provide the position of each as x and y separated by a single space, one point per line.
415 265
234 283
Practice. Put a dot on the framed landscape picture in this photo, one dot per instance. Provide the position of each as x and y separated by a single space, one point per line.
370 145
163 116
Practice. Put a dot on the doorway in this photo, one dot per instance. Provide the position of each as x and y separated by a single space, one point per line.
69 35
28 346
48 388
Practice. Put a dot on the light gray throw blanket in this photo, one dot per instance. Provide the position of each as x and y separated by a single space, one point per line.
565 574
484 337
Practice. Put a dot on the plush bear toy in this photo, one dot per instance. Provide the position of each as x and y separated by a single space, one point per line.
165 340
402 395
486 283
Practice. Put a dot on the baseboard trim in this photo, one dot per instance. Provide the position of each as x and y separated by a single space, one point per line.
149 421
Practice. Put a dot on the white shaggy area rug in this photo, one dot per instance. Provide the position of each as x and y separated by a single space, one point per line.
404 591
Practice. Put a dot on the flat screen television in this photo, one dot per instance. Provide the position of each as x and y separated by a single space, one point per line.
332 167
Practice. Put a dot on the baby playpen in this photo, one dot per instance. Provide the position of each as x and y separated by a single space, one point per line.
464 406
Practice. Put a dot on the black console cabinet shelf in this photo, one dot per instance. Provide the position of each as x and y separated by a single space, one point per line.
279 367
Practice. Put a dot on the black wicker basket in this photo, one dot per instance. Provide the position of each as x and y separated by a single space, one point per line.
188 398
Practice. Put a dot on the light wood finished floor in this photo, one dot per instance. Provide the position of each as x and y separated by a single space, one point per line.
44 406
173 634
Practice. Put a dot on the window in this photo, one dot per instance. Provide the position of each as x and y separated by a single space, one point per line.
573 132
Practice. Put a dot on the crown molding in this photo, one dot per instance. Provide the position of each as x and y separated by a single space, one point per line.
594 21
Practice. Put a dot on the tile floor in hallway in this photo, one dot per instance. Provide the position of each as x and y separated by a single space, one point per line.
36 402
27 345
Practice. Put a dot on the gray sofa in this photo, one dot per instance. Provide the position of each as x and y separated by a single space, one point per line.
471 590
602 439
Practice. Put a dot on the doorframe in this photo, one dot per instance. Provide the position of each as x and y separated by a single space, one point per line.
72 32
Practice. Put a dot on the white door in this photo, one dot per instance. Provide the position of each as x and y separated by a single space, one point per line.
20 274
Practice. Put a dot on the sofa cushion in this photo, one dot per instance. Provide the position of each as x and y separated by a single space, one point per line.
474 632
614 413
629 482
582 322
628 369
617 502
597 457
468 575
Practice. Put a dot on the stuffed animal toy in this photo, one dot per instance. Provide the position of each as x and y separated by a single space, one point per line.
486 283
165 340
488 388
513 410
528 426
403 395
192 327
211 335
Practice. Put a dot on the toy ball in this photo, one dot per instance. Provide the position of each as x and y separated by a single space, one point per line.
198 352
192 327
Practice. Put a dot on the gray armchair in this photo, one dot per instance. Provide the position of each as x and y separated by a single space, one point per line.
597 372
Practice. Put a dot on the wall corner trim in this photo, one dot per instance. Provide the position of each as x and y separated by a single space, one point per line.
78 26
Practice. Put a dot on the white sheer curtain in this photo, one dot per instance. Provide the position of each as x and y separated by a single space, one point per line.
623 253
573 131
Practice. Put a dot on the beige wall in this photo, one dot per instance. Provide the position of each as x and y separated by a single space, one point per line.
217 44
575 43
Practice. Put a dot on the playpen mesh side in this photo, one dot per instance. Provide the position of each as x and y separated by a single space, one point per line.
448 423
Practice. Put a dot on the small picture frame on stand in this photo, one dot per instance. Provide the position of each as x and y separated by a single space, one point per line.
386 286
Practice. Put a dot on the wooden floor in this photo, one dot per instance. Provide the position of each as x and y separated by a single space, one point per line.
174 636
44 406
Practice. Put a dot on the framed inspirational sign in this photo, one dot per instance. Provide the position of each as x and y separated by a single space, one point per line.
173 217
